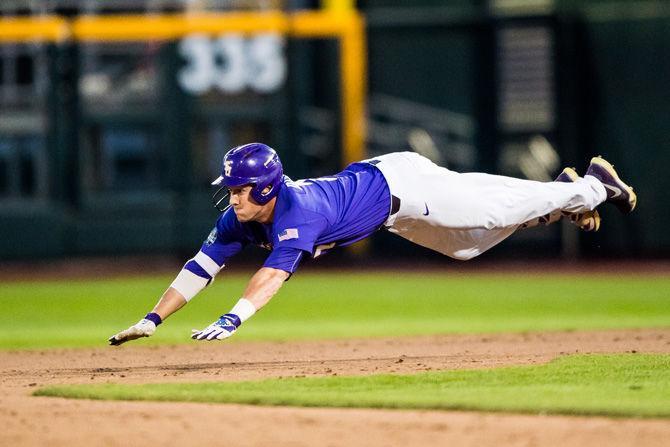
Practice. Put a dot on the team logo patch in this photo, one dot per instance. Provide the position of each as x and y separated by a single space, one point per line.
289 233
212 237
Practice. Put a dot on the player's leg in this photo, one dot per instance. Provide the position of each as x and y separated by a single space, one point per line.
479 201
457 244
463 215
475 200
586 221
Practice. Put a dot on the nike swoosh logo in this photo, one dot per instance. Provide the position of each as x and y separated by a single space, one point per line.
616 192
427 212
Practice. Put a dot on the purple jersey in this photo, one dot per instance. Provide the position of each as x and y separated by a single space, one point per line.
310 216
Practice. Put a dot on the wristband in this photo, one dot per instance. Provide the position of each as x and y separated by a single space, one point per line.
243 309
232 319
154 317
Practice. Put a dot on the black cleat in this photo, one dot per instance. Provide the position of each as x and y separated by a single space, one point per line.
618 193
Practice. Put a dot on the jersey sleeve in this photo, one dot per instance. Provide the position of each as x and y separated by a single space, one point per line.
299 231
284 258
224 241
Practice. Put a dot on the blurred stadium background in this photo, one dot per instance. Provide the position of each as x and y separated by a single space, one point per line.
114 115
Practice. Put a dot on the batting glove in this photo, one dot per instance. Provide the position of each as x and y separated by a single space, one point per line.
224 327
143 328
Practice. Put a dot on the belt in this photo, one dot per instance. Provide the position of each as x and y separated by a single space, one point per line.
395 201
395 205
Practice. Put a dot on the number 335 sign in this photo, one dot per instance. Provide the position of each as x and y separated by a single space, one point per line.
232 63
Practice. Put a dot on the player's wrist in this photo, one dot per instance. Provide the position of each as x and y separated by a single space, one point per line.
243 309
154 318
231 319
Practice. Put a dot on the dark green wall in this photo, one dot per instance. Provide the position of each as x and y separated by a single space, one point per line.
614 100
625 66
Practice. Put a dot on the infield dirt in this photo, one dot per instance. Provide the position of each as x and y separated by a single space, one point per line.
33 421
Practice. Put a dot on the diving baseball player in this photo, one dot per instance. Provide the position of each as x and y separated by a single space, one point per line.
459 215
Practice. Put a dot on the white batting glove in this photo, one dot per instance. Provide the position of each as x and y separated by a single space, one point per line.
143 328
224 327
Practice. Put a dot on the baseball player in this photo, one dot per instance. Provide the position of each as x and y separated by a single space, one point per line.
458 214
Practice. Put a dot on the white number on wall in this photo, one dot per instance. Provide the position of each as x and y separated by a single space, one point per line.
267 62
232 63
196 76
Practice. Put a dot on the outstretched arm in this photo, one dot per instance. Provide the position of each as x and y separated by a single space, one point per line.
264 285
170 302
197 273
223 242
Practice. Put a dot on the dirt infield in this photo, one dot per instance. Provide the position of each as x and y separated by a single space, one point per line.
33 421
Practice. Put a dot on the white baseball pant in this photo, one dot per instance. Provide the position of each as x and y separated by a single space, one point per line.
462 215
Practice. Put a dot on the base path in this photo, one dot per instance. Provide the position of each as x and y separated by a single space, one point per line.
39 421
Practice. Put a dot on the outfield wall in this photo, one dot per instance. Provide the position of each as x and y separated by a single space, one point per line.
107 143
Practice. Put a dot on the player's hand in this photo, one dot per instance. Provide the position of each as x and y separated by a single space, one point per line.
143 328
224 327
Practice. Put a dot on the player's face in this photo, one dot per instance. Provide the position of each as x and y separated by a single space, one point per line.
246 209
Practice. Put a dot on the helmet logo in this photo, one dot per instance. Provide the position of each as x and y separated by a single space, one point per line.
227 168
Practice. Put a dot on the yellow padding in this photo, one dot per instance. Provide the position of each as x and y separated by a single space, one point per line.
31 29
324 24
168 27
338 5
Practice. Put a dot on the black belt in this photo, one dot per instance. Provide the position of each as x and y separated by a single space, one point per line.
395 205
395 201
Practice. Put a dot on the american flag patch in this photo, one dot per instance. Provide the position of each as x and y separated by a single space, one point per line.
290 233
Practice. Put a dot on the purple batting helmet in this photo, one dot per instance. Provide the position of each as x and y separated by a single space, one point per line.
253 164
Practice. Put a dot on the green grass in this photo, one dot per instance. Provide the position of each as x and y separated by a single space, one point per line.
612 385
86 313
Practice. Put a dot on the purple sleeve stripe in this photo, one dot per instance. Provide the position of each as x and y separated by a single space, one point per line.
295 263
284 258
195 268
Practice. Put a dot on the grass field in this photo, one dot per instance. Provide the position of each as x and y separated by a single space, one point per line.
612 385
86 313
